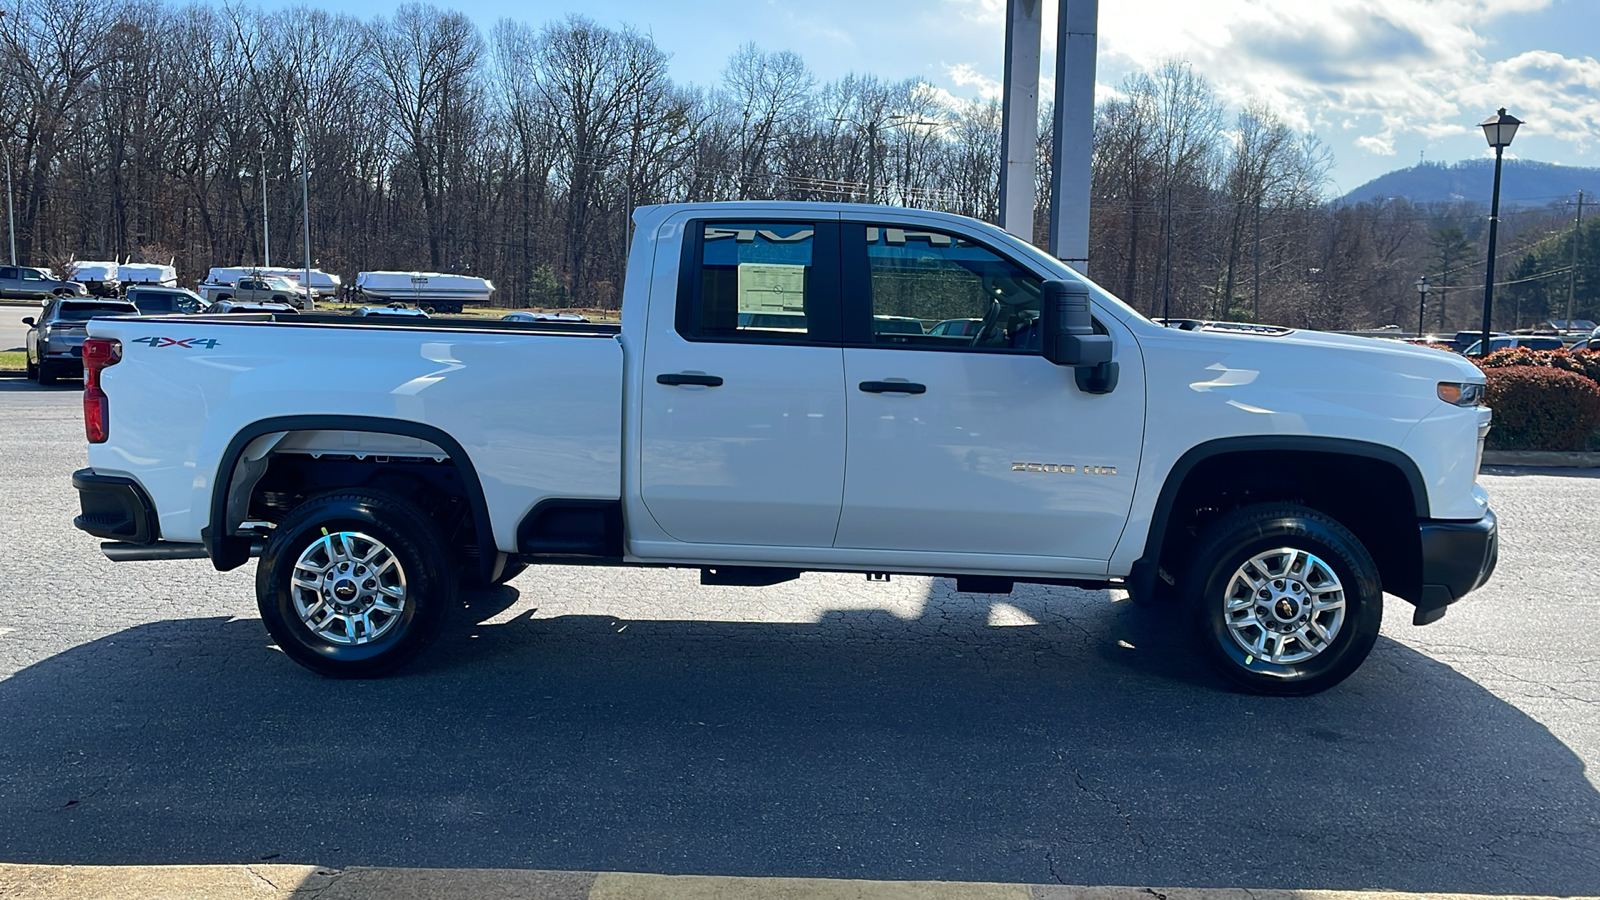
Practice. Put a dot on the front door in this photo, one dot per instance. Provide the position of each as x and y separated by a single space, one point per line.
962 438
742 433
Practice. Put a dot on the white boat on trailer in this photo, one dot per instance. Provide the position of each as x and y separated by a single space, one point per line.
425 290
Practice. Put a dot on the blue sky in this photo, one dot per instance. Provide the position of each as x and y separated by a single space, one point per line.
1380 81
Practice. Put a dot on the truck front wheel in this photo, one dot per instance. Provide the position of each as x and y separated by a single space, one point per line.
354 584
1284 599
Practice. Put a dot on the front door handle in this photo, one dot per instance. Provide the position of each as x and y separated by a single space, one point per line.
684 378
893 387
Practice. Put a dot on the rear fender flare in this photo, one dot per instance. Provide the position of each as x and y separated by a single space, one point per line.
231 551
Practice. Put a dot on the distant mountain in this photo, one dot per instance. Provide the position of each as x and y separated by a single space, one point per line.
1523 183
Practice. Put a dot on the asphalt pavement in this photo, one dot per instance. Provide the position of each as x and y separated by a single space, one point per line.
619 720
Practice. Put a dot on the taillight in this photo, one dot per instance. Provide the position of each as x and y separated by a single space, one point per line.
98 354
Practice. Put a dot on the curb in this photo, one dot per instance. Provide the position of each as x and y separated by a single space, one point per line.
272 882
1574 459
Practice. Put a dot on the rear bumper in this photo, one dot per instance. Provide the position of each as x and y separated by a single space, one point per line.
1457 558
115 508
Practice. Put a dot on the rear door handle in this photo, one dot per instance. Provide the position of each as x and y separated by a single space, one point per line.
893 387
684 378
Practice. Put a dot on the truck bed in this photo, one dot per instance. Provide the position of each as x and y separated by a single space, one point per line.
535 407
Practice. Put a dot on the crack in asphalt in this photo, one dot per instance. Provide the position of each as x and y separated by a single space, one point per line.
1127 820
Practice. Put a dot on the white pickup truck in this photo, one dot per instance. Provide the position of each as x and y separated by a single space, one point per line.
771 404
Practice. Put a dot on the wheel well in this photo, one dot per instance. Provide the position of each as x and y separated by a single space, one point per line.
1371 497
267 471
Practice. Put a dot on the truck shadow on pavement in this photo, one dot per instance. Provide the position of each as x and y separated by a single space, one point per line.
1087 748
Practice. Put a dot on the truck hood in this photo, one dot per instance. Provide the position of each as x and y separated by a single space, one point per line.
1302 346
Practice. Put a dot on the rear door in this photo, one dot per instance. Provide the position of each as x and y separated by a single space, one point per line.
742 429
974 443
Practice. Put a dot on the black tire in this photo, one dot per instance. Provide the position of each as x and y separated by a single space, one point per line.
33 370
47 376
406 533
62 292
1245 534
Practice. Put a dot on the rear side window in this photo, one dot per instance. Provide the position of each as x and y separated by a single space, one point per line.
772 282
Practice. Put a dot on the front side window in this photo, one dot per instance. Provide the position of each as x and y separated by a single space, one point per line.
31 275
751 281
939 291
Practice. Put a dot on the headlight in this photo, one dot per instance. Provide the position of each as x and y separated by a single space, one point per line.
1459 393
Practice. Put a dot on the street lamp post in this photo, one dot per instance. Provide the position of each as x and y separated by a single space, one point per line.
1422 301
904 121
1498 129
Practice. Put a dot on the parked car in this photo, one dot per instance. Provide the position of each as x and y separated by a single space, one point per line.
1465 339
27 283
1267 487
523 315
155 301
403 312
1527 341
248 306
896 325
55 339
260 289
958 327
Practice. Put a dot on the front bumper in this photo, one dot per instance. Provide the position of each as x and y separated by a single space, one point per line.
1457 558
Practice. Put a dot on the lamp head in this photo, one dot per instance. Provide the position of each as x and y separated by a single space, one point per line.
1500 128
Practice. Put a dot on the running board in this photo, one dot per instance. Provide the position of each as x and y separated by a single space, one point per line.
118 551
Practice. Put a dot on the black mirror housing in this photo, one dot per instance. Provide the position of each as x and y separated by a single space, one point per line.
27 320
1068 337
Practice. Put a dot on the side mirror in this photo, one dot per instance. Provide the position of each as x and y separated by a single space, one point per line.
1068 338
27 320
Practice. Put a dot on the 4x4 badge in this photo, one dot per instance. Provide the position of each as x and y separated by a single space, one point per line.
185 343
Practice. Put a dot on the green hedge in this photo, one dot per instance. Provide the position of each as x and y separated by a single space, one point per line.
1541 407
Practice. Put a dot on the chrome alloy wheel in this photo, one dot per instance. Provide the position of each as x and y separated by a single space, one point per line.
348 588
1284 606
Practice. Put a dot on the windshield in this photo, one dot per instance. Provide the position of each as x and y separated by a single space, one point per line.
83 312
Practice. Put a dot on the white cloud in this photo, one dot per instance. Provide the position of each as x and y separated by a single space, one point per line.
1386 68
967 75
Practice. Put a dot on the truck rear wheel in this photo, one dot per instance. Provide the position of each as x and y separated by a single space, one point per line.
355 584
1284 599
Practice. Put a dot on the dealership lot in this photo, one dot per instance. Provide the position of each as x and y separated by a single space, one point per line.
594 719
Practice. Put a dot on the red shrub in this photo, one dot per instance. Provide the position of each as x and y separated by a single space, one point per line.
1540 407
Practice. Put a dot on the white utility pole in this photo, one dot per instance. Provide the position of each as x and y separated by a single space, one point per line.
11 215
1072 151
266 244
305 204
1019 123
